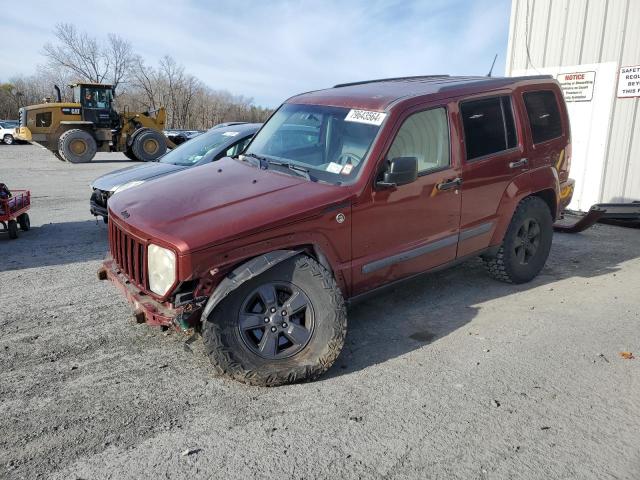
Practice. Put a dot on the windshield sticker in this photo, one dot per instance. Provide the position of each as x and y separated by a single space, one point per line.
346 170
334 167
230 134
365 116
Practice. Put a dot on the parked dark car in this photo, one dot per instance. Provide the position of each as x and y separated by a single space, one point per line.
343 192
180 136
208 147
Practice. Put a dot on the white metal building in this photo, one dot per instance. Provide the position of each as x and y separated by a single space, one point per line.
593 48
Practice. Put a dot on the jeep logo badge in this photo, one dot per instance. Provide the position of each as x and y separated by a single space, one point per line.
125 214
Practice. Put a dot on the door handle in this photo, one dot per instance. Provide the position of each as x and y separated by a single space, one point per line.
519 163
449 184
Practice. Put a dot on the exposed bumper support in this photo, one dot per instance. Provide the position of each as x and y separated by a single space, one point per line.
146 309
98 210
629 212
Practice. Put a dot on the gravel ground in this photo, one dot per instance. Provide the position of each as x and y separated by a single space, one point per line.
450 376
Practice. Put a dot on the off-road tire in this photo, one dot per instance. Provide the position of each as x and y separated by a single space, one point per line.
505 266
149 145
230 355
129 154
12 228
24 222
77 146
8 139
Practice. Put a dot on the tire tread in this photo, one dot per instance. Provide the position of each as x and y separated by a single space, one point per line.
224 362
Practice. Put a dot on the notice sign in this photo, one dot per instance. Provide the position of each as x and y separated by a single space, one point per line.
577 86
629 82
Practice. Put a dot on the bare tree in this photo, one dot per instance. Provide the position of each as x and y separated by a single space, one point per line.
88 58
77 56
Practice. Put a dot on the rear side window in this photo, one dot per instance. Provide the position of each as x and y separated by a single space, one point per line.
488 126
424 135
544 116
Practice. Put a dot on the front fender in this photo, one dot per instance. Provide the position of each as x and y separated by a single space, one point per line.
243 273
537 181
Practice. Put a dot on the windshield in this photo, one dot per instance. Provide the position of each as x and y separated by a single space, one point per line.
330 142
203 147
93 96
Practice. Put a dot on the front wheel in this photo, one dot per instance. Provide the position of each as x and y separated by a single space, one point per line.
149 145
526 245
77 146
286 325
8 139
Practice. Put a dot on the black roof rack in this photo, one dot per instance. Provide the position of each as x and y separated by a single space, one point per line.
362 82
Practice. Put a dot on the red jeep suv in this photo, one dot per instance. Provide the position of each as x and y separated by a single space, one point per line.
342 192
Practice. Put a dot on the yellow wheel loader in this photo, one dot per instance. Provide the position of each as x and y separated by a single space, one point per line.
75 131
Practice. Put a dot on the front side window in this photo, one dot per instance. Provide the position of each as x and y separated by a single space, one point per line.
330 143
97 97
424 135
544 116
488 126
43 119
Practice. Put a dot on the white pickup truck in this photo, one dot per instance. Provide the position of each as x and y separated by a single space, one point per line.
6 131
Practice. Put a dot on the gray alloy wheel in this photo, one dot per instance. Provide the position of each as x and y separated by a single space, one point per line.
8 139
276 320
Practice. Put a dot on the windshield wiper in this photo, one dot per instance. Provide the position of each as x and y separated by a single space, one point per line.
303 172
262 162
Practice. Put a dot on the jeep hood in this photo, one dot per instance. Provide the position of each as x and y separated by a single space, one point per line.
144 172
201 207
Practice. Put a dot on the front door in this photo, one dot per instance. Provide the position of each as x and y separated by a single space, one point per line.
406 230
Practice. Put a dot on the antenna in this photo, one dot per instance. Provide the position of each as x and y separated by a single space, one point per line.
492 65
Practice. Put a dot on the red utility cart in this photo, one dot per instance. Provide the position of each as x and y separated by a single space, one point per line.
13 212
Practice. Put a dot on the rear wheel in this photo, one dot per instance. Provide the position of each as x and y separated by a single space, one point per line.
283 326
149 145
8 139
12 227
24 222
526 244
77 146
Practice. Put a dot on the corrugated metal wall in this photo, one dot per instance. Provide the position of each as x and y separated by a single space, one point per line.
546 33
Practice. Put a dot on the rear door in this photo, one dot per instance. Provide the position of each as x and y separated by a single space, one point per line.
406 230
547 137
493 156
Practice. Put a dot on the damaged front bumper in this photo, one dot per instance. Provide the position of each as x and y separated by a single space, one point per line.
98 203
147 309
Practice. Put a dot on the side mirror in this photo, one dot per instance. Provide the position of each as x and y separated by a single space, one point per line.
401 171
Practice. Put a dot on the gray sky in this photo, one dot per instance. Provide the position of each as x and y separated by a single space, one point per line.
271 50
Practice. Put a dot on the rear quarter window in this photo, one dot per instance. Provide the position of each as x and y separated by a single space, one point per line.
544 115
